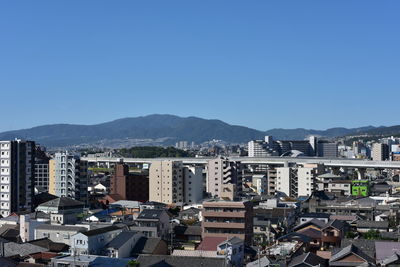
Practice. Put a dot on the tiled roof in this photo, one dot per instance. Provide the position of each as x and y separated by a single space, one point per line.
62 202
121 239
167 260
211 243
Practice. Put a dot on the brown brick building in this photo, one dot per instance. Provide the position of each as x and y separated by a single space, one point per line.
228 219
129 185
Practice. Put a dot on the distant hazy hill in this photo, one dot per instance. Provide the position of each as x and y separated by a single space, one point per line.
382 131
167 128
300 133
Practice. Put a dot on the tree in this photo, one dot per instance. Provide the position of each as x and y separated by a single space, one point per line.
372 235
133 263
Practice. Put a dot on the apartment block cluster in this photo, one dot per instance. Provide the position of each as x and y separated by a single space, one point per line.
384 149
61 210
309 148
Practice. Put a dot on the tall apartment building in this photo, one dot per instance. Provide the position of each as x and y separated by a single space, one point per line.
41 169
224 178
297 181
68 176
271 180
380 151
172 182
228 219
306 180
17 169
129 185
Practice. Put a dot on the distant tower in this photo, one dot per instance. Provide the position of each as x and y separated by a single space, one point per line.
269 139
314 145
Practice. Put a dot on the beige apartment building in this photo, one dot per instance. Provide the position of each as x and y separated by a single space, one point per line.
171 182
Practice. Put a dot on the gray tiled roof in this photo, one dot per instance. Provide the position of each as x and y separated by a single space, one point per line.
11 249
101 230
121 239
146 245
62 202
151 214
309 258
167 260
350 249
54 227
373 224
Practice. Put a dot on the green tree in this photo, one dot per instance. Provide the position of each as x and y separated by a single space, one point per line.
133 263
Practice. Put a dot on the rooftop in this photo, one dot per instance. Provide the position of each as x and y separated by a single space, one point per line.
101 230
121 239
62 202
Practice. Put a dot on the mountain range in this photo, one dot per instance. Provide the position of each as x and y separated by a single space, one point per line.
164 130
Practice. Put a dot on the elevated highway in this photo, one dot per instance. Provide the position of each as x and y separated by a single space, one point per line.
277 161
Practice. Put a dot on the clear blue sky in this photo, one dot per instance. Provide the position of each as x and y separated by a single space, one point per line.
262 64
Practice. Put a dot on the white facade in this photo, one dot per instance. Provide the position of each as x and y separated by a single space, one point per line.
283 180
260 183
306 181
70 177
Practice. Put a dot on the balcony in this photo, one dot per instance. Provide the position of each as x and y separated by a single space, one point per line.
224 225
224 214
331 239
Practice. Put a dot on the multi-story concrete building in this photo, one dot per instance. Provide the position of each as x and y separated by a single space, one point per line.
380 151
228 219
68 176
257 148
297 180
224 178
327 149
271 178
17 169
172 182
306 181
286 180
333 183
41 169
259 182
129 185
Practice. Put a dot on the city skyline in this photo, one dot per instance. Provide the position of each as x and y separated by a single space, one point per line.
263 64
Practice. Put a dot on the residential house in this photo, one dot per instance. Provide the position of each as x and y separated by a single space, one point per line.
350 256
92 242
150 246
58 233
333 233
122 245
153 223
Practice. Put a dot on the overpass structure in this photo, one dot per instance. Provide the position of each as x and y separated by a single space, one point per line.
276 161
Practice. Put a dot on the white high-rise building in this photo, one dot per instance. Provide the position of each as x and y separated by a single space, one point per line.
17 168
68 176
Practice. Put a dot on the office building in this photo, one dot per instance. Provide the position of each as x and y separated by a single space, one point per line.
314 146
129 185
224 178
172 182
68 176
327 149
17 169
380 152
41 170
228 219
